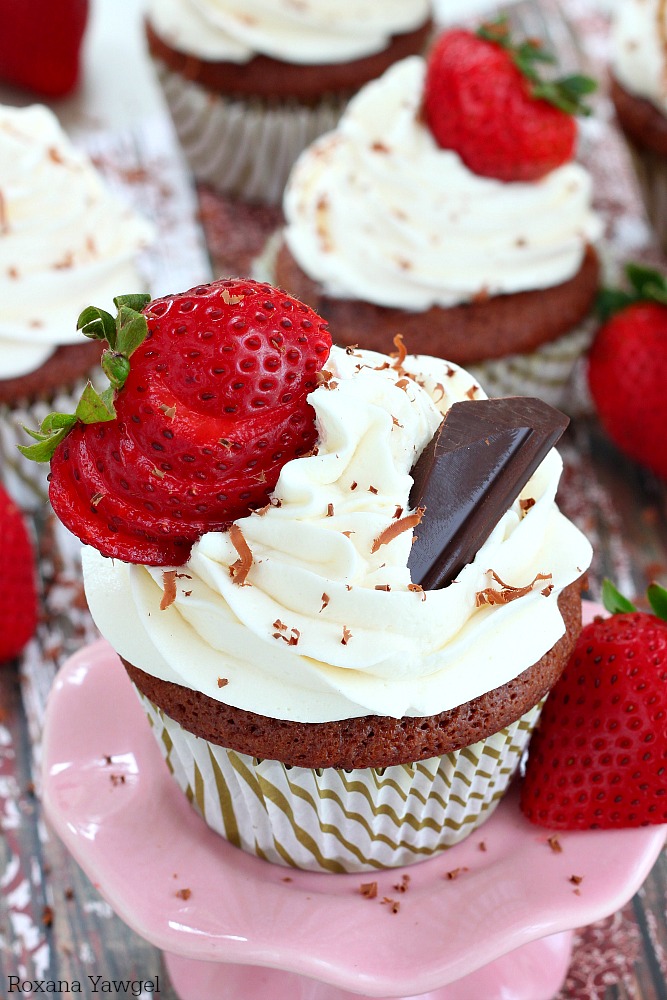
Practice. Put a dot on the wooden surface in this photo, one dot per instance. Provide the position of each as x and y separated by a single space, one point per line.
53 923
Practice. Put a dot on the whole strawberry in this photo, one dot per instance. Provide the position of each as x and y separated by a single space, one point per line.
599 755
484 99
40 44
18 593
207 401
627 368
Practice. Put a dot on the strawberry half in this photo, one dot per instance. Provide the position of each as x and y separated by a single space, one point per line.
484 99
18 592
599 755
627 367
207 402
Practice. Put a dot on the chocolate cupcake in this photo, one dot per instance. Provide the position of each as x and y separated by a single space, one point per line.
327 694
388 232
639 94
63 237
248 88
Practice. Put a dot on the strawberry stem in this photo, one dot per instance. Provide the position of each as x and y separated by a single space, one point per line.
123 335
565 93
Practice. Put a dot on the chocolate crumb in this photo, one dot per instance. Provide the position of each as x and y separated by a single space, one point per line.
454 873
287 878
47 916
576 879
402 886
481 846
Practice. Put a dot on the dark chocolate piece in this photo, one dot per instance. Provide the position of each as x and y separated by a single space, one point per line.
471 472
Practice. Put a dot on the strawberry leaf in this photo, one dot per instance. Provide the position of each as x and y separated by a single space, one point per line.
565 93
614 601
657 598
646 285
95 407
97 324
123 335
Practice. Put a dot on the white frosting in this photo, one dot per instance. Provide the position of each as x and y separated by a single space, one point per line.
639 44
377 211
314 575
296 31
65 242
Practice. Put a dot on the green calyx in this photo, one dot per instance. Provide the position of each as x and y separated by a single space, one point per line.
123 335
566 93
646 285
616 604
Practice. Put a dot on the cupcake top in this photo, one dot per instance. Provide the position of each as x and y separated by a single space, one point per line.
639 43
377 210
63 239
310 32
325 622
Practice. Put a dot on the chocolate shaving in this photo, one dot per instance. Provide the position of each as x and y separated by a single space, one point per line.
526 504
397 528
347 635
402 886
507 593
184 893
393 905
416 589
231 300
169 411
454 873
330 510
576 879
240 569
325 601
369 889
402 352
222 682
169 589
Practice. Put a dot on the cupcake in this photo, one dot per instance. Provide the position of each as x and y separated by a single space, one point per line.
488 261
338 679
63 238
250 86
639 94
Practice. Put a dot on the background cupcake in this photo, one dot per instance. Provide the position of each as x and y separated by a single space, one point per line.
393 225
249 85
318 706
63 239
639 93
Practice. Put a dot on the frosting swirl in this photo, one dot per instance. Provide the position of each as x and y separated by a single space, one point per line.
329 31
639 45
377 211
64 240
328 625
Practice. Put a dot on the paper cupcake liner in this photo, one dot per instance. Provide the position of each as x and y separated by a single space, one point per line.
25 480
341 821
548 372
243 148
651 172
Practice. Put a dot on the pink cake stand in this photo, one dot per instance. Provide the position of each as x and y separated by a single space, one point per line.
492 917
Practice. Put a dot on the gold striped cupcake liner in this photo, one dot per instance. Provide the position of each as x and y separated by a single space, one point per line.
342 821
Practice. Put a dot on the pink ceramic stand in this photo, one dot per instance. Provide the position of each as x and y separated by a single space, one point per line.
489 918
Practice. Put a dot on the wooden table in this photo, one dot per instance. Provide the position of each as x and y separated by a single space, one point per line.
53 923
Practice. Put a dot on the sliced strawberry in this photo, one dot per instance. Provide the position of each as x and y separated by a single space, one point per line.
599 755
208 401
